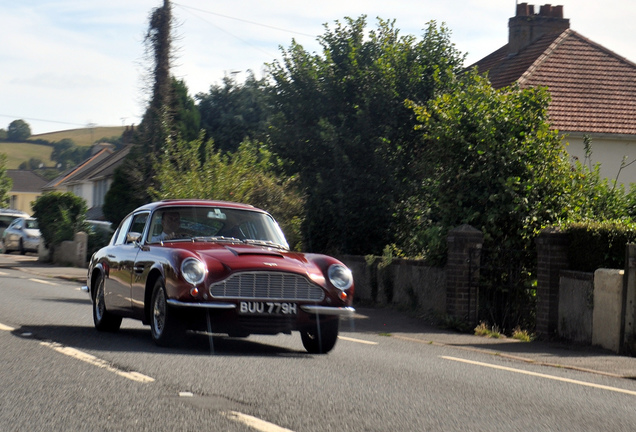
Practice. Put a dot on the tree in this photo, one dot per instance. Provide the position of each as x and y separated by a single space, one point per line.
135 177
60 215
232 113
489 159
5 182
18 131
32 164
67 154
245 176
342 125
187 119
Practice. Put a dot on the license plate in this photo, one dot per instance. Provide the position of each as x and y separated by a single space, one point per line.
268 308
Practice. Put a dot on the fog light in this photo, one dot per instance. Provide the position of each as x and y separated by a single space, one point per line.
194 292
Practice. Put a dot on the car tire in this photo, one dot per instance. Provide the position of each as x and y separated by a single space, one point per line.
164 325
322 338
21 248
103 320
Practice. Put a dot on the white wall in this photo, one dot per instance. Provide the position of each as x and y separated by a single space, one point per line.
609 152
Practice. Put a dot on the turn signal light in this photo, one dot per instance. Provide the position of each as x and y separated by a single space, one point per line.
343 295
194 292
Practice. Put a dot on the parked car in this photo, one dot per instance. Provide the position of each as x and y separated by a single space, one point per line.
218 267
7 216
23 235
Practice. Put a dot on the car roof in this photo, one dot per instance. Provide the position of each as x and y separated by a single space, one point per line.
13 212
197 202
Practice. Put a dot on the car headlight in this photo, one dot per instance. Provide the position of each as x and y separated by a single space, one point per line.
340 276
193 271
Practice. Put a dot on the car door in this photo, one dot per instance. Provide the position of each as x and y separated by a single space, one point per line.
121 257
11 235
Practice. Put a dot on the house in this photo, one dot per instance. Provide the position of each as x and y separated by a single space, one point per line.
27 186
593 89
91 179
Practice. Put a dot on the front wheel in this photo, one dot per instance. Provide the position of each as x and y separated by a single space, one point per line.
322 338
104 320
164 326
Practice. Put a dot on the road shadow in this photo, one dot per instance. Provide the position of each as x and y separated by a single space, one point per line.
139 340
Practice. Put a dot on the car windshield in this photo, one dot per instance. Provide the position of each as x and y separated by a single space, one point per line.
215 224
31 224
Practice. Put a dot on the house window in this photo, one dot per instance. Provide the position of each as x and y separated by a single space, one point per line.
77 190
99 192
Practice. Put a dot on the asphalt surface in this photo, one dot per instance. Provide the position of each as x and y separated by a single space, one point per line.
392 323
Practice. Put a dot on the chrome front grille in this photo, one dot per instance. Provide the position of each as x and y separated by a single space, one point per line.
267 286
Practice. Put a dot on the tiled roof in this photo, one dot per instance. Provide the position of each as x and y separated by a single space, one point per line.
101 168
26 181
76 171
593 89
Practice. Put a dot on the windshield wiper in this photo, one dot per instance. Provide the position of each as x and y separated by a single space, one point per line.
216 239
267 243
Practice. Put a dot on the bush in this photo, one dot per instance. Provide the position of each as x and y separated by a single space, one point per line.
60 215
603 242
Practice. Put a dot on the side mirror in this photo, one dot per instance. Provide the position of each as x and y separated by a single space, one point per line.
133 237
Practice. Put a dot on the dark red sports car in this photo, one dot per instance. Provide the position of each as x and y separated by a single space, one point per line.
219 267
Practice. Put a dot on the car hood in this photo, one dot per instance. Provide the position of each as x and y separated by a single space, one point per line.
223 260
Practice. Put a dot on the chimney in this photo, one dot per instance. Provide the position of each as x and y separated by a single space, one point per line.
526 27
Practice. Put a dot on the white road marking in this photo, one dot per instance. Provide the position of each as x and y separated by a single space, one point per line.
540 375
4 274
254 422
43 282
90 359
357 340
6 327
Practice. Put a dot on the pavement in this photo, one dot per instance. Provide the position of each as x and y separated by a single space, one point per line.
393 323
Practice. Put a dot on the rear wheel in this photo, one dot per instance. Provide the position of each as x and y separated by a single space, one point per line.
322 338
164 325
104 320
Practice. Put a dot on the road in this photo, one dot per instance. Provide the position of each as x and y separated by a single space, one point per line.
58 373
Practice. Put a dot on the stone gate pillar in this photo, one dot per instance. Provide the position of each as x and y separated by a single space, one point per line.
552 258
462 288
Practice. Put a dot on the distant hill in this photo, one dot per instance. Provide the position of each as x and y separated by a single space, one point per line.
82 137
22 152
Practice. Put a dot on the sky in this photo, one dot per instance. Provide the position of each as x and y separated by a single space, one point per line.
67 64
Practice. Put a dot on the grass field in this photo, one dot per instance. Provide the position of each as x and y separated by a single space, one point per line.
22 152
82 137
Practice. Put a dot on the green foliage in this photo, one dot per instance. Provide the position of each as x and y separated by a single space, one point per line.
32 164
3 135
342 125
233 113
186 117
490 160
128 189
603 242
60 215
18 131
243 176
67 154
5 182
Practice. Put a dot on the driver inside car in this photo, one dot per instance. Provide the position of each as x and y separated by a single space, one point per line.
171 224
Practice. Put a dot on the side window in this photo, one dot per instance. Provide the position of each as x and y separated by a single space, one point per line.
139 223
123 230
